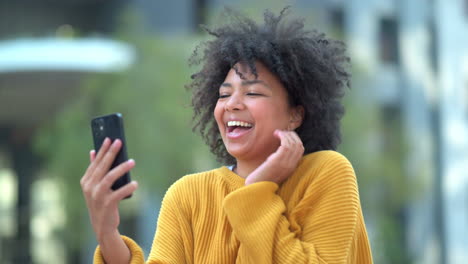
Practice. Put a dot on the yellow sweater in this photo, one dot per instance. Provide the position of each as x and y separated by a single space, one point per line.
315 216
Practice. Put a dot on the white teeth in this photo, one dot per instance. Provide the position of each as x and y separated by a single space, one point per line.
239 123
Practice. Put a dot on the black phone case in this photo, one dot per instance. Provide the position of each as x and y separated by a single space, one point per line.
111 126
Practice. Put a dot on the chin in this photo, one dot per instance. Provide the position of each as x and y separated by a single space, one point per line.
246 155
237 153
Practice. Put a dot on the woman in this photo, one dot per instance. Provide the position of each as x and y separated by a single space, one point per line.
267 102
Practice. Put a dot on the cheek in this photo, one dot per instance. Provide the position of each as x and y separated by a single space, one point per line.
272 116
218 114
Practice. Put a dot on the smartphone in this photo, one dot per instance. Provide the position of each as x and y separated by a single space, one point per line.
111 126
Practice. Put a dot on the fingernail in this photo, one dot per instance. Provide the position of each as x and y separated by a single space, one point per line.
131 161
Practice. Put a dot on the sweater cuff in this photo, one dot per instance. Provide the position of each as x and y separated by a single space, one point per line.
255 191
137 256
245 204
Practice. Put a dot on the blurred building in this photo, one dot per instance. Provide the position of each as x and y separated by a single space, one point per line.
46 48
416 55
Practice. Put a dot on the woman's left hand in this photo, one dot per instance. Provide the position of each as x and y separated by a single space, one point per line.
282 163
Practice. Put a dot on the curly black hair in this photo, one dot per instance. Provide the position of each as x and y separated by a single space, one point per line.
311 66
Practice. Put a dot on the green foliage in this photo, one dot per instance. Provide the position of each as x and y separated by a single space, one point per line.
376 147
157 118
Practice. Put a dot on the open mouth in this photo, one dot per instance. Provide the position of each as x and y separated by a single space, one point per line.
238 126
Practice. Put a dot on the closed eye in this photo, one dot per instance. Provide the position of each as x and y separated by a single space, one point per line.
254 94
223 96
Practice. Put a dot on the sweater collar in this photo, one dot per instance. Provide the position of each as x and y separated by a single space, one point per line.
230 176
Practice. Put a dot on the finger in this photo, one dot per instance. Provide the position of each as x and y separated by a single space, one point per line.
124 191
92 155
293 139
115 174
85 178
283 154
104 147
281 135
297 145
106 162
298 150
296 139
286 140
277 133
291 149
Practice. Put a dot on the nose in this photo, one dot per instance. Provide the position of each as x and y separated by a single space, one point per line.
234 102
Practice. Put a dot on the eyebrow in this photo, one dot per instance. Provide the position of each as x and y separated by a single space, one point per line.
247 83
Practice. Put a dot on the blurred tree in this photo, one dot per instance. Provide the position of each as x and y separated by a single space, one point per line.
157 119
376 147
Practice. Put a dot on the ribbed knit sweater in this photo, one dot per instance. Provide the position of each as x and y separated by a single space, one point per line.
314 216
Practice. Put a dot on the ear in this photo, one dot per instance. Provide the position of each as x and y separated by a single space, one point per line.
296 117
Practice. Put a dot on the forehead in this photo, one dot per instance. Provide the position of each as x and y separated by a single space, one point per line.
245 73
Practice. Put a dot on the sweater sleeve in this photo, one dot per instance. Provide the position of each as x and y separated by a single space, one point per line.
172 243
171 238
331 204
135 251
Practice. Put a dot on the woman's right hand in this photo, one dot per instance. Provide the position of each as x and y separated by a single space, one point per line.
101 200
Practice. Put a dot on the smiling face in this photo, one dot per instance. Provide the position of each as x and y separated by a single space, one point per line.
249 110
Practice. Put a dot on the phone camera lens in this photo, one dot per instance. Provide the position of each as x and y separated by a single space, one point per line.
99 127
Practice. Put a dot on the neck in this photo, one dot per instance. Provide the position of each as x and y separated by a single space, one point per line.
244 168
